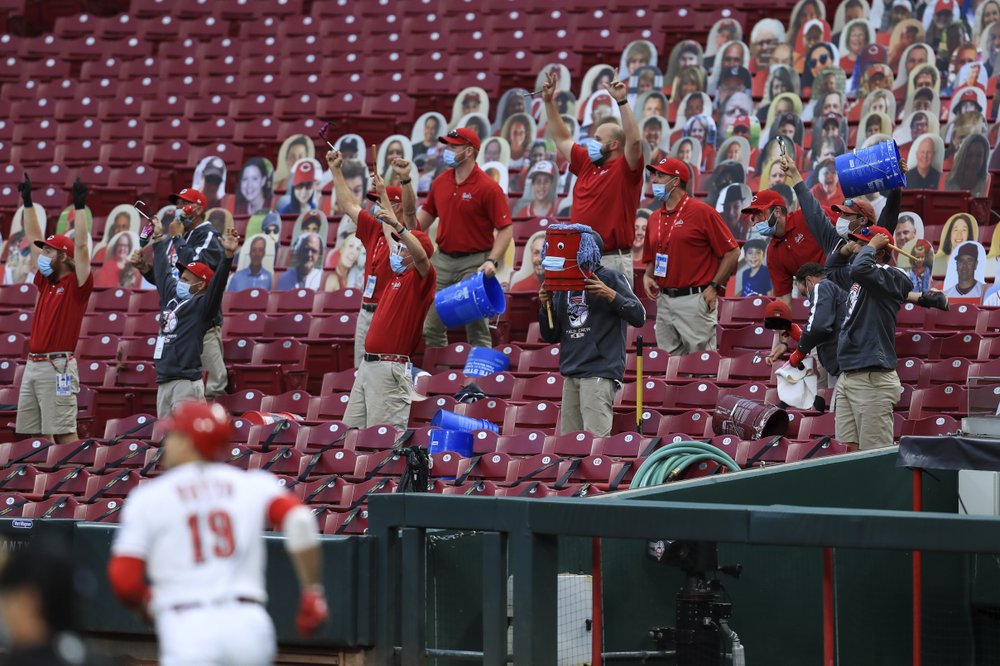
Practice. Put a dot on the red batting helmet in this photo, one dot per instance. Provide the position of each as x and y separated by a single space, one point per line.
208 426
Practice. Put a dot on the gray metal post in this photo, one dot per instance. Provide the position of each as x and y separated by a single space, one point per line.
494 599
412 605
534 559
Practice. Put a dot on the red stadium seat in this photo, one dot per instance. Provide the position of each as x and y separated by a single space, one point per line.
964 345
960 317
18 296
951 371
491 409
544 386
680 369
947 399
931 426
327 407
295 402
526 443
442 383
575 444
692 422
543 415
100 347
291 324
13 345
241 401
744 368
17 322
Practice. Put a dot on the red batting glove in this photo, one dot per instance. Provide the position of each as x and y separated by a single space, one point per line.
795 360
312 610
795 332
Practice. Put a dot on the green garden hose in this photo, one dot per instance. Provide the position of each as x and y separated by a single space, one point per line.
668 463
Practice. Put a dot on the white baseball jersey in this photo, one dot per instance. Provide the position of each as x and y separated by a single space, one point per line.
199 529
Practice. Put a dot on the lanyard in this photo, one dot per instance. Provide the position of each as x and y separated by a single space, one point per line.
674 217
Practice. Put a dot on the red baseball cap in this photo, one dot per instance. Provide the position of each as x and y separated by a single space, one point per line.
190 195
855 207
764 200
58 242
305 172
208 426
944 6
741 121
672 167
394 192
461 136
865 234
200 271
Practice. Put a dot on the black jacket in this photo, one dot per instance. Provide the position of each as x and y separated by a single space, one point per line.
199 244
821 332
824 231
592 330
183 323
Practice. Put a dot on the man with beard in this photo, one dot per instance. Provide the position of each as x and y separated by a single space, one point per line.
46 404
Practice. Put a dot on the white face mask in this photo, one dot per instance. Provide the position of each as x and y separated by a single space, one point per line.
843 226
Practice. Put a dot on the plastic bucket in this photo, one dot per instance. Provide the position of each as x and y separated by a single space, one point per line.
872 169
474 298
452 421
748 419
483 362
456 441
269 418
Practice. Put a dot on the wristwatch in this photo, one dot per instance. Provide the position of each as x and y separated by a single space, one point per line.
715 285
495 263
405 182
623 102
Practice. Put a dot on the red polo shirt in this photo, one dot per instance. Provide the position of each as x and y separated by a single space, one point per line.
786 255
469 211
606 197
694 237
59 313
398 323
376 254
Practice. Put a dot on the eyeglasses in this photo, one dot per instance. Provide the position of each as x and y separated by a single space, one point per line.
821 60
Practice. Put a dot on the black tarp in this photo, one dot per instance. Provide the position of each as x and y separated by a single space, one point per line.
950 452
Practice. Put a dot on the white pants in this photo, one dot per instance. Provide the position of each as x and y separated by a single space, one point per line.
231 634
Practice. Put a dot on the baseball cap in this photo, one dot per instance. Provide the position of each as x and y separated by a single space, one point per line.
741 122
461 136
542 166
200 271
208 426
764 200
856 207
394 192
311 215
865 234
215 168
777 309
903 3
672 167
305 172
190 195
57 242
944 6
967 250
968 94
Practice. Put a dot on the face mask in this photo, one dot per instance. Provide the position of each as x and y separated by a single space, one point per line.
396 264
450 160
375 209
44 265
554 263
594 149
183 291
766 227
660 192
843 226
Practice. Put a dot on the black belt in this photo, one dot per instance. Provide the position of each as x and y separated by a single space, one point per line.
368 307
870 368
391 358
459 255
179 608
686 291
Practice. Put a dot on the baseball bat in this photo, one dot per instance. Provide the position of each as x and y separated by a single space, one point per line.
905 254
638 385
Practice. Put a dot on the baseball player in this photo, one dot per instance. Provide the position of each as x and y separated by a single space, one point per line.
195 533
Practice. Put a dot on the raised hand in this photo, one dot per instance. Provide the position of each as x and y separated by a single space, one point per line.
25 190
379 183
230 241
550 85
401 168
334 159
79 194
157 227
879 241
595 286
138 261
618 90
386 216
791 171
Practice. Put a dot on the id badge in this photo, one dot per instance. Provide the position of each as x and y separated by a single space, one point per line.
158 350
660 267
369 287
63 385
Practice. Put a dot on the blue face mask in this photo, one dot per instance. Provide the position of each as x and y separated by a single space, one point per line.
660 192
554 263
44 265
594 149
450 160
396 264
183 291
765 227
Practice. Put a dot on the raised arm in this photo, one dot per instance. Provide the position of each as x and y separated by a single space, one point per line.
81 249
163 274
342 193
561 134
633 143
421 262
890 281
623 299
217 287
404 170
32 229
817 221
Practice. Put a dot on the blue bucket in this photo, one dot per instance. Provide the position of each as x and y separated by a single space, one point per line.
873 169
483 362
474 298
455 441
452 421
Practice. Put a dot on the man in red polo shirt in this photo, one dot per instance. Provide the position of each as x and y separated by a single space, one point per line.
369 231
471 207
384 385
46 404
792 245
689 255
608 169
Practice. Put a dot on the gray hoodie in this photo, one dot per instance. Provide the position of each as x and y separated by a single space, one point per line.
868 336
591 329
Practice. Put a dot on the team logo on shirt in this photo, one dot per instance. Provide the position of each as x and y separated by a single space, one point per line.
852 298
168 320
799 238
466 196
578 313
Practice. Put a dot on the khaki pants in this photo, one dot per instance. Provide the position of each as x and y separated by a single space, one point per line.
684 324
587 404
39 410
381 394
451 270
360 333
173 393
211 360
621 261
864 402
